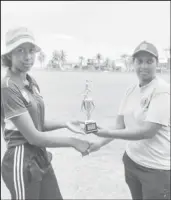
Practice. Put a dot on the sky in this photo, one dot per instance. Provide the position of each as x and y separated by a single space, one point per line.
85 28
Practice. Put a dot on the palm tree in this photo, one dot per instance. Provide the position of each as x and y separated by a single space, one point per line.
81 58
113 65
55 55
50 64
55 59
125 57
107 63
62 58
98 58
41 58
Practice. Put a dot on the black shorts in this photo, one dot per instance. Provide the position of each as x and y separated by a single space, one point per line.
146 183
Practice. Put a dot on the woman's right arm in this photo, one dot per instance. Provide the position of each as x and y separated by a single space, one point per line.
26 127
48 139
118 125
97 145
16 111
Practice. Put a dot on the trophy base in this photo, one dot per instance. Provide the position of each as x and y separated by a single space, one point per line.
90 126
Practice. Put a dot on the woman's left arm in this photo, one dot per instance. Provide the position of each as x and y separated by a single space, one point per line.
72 125
158 115
148 130
50 125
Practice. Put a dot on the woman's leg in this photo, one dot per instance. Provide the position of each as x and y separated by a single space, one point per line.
131 179
49 186
155 184
18 174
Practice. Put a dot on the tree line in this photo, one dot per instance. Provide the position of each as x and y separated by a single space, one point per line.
58 61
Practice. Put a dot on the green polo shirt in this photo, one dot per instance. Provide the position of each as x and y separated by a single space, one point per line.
17 99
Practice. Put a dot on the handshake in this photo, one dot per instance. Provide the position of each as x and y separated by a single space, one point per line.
83 146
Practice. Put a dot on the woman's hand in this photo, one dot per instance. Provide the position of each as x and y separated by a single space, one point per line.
75 126
94 146
101 132
81 145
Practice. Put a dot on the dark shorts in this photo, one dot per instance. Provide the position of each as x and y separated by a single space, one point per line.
146 183
28 175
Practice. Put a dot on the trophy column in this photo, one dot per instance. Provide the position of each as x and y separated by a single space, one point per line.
87 107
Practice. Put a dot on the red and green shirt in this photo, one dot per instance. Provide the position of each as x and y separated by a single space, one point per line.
16 100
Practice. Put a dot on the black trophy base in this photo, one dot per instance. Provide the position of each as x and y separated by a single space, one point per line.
90 127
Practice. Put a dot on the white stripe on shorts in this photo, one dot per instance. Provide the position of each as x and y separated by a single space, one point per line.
18 172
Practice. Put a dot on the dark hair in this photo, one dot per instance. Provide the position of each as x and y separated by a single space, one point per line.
5 61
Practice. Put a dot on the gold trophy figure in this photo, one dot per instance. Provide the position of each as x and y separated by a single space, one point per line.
87 107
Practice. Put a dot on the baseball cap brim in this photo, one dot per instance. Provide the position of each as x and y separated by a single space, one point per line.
137 52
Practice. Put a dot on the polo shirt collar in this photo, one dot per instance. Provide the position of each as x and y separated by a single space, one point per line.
28 78
147 85
9 73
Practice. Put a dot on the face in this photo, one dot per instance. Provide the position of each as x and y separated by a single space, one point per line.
145 66
23 57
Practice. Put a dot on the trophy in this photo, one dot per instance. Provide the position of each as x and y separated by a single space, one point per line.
87 107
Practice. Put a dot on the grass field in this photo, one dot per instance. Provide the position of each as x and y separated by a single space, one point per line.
100 175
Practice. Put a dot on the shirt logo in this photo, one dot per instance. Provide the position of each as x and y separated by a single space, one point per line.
144 102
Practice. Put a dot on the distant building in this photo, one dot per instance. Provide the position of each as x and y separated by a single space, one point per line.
120 65
162 63
69 65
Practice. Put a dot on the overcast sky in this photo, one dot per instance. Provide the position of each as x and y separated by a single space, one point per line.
88 28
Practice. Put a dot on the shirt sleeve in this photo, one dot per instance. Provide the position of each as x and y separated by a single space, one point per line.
122 105
12 102
124 100
159 109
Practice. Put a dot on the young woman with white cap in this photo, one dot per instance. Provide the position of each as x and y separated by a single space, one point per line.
26 165
144 120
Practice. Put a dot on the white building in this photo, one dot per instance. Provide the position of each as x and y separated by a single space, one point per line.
120 64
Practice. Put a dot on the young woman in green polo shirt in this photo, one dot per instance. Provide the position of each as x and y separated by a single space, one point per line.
26 166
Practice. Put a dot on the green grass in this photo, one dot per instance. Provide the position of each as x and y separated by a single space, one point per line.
100 175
